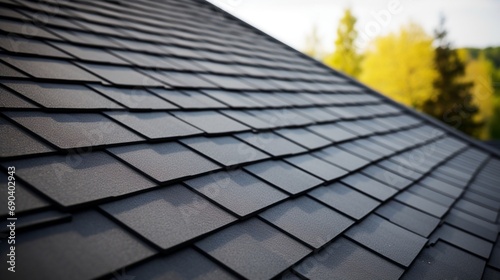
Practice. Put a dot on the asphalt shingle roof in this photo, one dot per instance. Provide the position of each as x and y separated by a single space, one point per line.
168 139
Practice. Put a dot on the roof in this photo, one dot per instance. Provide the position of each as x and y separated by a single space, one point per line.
171 140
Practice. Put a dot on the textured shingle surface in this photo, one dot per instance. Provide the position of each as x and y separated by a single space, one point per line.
251 244
169 140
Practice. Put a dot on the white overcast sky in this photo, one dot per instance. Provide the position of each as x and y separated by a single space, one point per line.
471 23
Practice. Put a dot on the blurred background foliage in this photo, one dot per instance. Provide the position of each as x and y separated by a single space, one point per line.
459 86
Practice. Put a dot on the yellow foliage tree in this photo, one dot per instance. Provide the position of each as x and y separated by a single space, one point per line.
345 57
479 71
400 65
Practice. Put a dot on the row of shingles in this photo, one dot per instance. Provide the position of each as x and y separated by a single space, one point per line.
224 188
224 61
63 45
387 232
462 244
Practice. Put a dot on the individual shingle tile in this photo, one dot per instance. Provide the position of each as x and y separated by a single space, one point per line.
281 117
464 240
344 259
317 114
317 167
304 137
491 274
270 143
232 99
25 29
341 158
7 71
477 210
11 100
137 98
211 121
409 218
26 199
308 220
254 249
361 151
237 191
50 69
369 186
165 161
154 125
422 204
65 96
17 142
440 186
145 60
91 177
74 130
494 260
75 246
225 150
188 99
268 99
227 82
471 224
387 239
40 218
89 54
431 195
17 44
185 264
444 261
487 202
247 119
168 216
180 79
284 176
387 177
120 75
400 169
345 200
332 132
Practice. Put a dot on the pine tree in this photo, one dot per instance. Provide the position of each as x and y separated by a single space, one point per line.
345 58
453 100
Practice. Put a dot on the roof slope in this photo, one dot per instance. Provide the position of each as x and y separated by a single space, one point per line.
170 140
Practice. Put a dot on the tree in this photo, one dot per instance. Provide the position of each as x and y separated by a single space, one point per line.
313 44
452 101
400 65
479 70
345 57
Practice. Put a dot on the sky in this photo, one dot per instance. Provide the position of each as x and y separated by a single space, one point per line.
470 23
